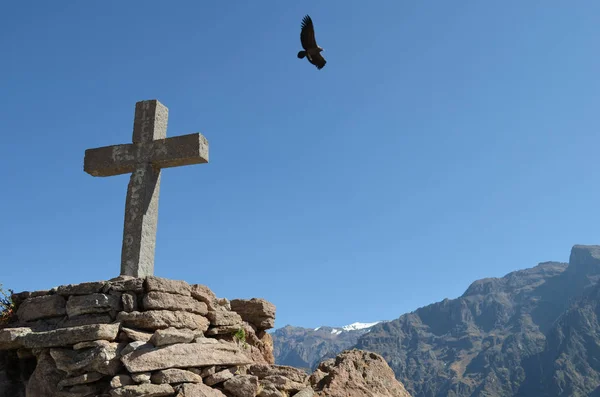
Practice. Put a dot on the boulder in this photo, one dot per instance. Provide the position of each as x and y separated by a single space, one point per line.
358 373
256 311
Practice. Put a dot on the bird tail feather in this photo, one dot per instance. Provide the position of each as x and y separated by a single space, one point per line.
301 54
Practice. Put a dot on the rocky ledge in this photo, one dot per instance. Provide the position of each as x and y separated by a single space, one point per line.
153 337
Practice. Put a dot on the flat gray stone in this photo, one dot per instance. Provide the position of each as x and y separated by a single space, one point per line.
70 336
41 307
171 336
160 284
92 304
10 338
155 300
19 297
137 335
219 377
137 345
124 284
157 319
91 345
80 289
175 375
224 318
145 390
185 355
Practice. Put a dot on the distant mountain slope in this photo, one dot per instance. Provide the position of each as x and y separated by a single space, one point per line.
533 332
305 347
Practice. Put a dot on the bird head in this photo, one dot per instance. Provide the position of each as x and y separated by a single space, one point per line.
320 49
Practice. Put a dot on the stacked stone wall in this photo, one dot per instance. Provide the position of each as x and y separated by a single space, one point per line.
141 337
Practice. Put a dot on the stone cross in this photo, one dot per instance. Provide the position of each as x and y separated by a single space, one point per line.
150 151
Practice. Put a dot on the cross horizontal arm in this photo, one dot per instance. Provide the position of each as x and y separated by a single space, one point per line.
110 160
162 153
180 150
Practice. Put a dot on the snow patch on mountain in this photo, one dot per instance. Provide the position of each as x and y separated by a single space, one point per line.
357 326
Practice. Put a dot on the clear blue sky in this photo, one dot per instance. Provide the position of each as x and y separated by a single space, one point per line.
443 142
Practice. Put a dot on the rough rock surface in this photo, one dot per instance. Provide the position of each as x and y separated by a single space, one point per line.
357 373
155 300
157 319
185 355
258 312
130 337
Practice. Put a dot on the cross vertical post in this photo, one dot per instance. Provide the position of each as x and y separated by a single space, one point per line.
150 151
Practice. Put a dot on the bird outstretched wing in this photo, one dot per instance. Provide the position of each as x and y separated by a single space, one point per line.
307 34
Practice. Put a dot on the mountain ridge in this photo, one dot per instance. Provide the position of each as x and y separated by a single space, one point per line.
531 332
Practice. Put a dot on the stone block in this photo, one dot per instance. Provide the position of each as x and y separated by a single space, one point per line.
80 289
185 355
137 335
157 319
258 312
10 338
175 375
224 318
159 284
41 307
92 304
70 336
171 336
102 359
155 300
